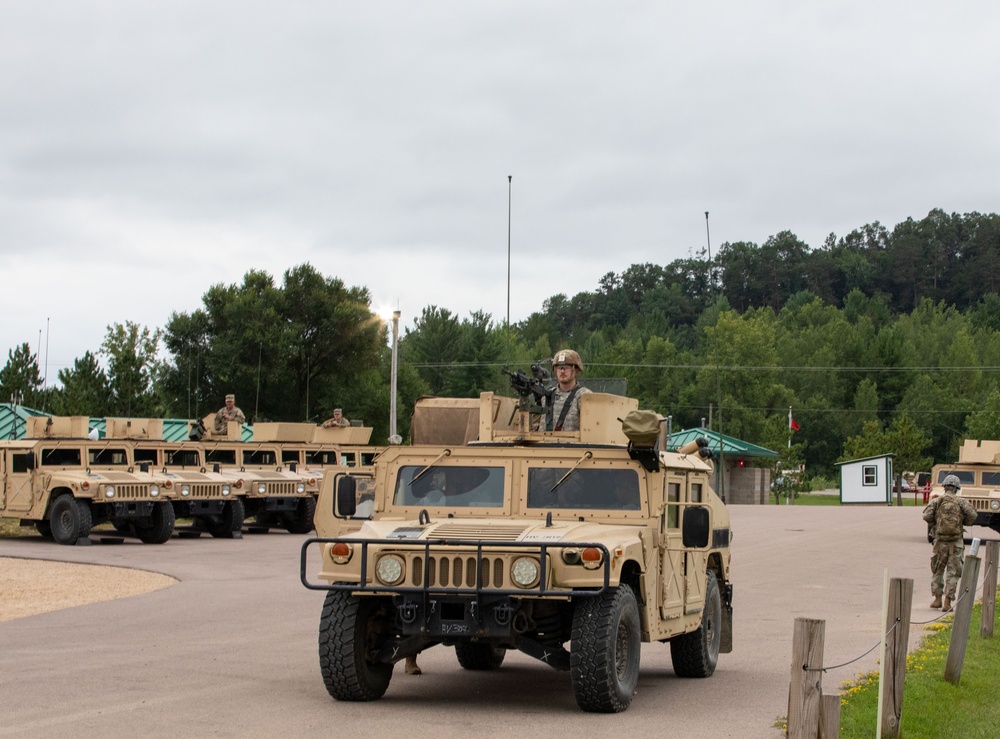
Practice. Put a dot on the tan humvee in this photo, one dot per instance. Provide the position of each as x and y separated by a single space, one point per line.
572 547
64 484
271 494
978 469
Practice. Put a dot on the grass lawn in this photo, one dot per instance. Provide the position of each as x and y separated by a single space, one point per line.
932 707
823 499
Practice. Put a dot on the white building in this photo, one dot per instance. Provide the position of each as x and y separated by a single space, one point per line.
866 480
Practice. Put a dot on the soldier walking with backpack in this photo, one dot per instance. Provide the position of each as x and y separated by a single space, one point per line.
948 515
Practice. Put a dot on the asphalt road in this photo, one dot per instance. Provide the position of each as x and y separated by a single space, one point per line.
230 651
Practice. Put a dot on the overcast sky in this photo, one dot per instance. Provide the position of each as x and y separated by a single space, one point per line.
149 150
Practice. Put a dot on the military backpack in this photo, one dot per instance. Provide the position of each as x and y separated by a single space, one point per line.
948 519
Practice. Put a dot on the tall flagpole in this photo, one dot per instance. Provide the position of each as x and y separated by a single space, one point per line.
509 178
789 427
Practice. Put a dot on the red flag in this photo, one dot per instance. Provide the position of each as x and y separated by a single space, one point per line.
793 425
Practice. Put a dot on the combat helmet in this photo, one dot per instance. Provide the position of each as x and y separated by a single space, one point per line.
951 481
568 356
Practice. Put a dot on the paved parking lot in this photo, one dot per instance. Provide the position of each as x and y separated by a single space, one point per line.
230 651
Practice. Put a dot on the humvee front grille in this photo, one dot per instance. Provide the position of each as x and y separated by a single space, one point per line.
274 489
131 492
458 572
206 492
981 504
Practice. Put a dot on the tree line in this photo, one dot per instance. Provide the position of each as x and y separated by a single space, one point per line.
877 339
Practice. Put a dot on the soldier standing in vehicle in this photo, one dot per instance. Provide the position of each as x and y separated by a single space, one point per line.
948 515
229 412
564 411
338 420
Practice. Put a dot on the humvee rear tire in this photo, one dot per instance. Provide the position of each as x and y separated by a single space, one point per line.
70 519
348 629
604 652
301 522
479 656
696 654
159 526
230 520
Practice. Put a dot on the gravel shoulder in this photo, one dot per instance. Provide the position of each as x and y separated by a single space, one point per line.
32 586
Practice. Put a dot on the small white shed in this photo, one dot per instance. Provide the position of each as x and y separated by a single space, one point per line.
866 480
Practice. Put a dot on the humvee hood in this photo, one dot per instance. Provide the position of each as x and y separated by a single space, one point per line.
493 531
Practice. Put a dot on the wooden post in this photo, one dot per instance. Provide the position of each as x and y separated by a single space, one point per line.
897 628
966 595
829 716
805 688
989 590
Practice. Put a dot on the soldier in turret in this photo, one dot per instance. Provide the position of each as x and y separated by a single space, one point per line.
564 412
229 412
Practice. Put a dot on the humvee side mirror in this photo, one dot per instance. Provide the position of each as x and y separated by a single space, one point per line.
347 500
694 532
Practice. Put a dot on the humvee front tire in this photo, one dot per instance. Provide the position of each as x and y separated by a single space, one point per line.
696 654
604 653
479 656
230 520
159 526
348 630
301 522
70 519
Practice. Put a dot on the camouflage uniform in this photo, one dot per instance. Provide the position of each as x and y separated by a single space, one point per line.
948 555
225 415
332 423
572 422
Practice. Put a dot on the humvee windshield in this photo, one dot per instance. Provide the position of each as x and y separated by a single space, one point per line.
966 477
61 456
452 486
222 456
108 457
616 490
321 458
991 479
261 456
183 458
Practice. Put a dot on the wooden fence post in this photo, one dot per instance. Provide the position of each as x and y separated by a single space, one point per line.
897 628
989 589
829 716
963 617
805 688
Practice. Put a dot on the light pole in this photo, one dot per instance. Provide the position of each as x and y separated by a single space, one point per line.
394 437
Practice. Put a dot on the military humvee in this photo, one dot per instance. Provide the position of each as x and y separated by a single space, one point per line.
271 494
572 547
65 484
978 469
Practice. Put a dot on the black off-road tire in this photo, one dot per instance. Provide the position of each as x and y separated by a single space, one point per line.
301 522
69 519
229 521
604 653
479 656
158 528
349 629
696 654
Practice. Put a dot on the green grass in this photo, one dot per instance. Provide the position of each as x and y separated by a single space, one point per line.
819 499
932 707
